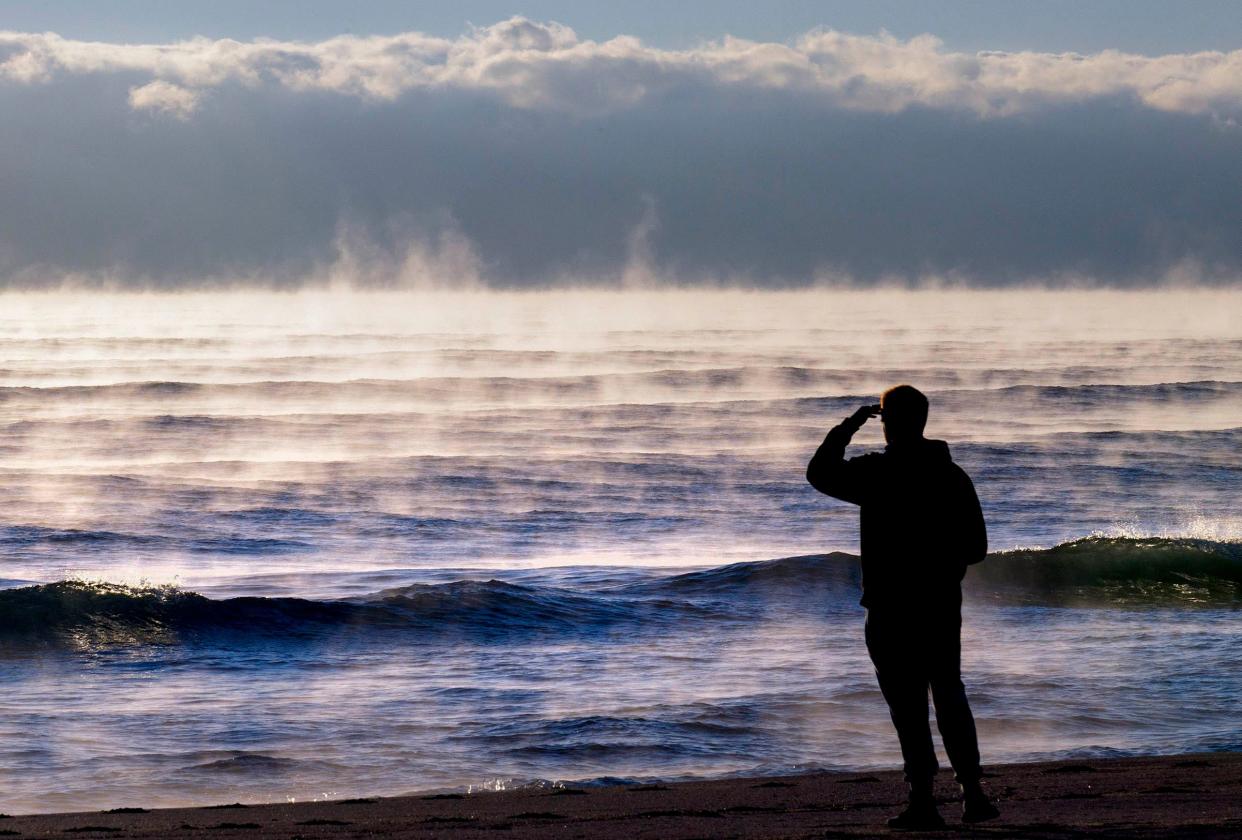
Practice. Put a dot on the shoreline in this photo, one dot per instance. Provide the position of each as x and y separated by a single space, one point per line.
1196 795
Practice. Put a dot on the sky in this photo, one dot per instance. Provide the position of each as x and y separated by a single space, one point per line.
1147 27
167 145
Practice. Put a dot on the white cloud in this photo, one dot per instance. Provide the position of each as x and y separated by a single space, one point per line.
164 97
522 155
546 66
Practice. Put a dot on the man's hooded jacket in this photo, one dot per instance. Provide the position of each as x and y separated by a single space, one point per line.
921 522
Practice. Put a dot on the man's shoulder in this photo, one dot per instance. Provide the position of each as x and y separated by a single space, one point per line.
955 469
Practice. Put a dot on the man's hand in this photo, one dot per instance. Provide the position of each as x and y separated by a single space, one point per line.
865 413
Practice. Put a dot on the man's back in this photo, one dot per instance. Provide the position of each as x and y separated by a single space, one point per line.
920 521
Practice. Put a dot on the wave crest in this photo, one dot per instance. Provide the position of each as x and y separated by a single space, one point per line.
1098 570
1118 570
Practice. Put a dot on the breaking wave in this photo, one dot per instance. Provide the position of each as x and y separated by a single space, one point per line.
1120 570
1099 571
93 613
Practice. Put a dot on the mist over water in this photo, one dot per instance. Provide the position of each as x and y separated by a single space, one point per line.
480 514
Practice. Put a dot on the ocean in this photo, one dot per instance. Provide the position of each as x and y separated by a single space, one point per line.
265 546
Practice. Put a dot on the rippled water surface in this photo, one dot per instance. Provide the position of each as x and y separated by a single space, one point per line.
263 546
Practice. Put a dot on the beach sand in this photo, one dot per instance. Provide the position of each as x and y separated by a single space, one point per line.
1185 796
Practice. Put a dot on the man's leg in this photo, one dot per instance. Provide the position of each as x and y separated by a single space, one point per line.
955 721
903 682
957 727
953 716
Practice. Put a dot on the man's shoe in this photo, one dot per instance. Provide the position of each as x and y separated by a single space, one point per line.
978 808
918 816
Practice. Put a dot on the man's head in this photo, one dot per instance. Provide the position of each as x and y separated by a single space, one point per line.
903 410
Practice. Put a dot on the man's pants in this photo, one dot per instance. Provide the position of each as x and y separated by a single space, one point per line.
913 651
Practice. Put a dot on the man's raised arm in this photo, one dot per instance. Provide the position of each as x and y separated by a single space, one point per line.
829 472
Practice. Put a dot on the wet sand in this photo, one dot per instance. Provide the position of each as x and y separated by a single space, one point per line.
1186 796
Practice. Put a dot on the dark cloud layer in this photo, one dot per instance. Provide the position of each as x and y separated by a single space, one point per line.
104 177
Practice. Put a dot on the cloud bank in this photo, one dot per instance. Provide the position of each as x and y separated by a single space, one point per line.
520 154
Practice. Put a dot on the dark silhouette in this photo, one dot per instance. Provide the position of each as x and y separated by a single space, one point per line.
921 526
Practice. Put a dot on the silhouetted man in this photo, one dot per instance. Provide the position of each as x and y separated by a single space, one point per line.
921 526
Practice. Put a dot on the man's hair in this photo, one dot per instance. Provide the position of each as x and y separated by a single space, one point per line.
904 409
